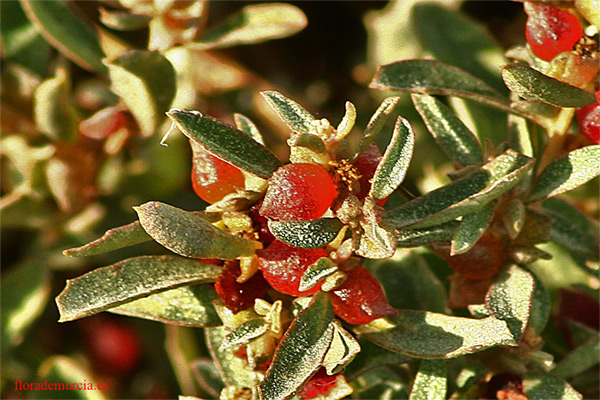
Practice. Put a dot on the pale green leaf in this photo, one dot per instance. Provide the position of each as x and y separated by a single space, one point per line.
53 111
579 360
189 234
113 239
186 306
234 370
543 387
416 237
430 382
376 124
245 333
246 125
65 372
471 228
292 113
316 273
129 280
123 21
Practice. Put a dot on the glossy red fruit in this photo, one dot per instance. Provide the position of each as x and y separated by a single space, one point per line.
239 296
485 259
366 164
550 30
360 299
114 347
213 178
298 192
320 384
283 266
589 120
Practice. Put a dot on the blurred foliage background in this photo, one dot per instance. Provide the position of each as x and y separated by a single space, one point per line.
78 150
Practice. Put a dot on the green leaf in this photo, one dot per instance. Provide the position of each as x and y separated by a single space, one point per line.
234 370
430 382
186 306
71 36
434 77
207 376
342 350
411 275
246 125
376 124
430 335
572 229
53 111
254 24
317 272
308 148
129 280
395 161
544 387
245 333
457 141
226 142
123 21
292 113
301 351
146 82
567 173
510 297
371 357
113 239
306 234
466 44
25 289
540 307
514 217
465 195
579 360
376 241
65 372
189 234
533 85
423 236
471 228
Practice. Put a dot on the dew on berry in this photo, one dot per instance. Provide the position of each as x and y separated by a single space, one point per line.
283 266
213 178
360 299
550 30
298 192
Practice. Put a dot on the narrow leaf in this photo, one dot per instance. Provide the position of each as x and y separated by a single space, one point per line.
316 272
342 351
347 122
465 195
540 307
189 234
571 228
430 382
113 239
376 124
292 113
531 84
429 335
246 125
73 37
129 280
579 360
245 333
226 142
544 387
53 111
423 236
376 241
434 77
123 21
306 234
146 82
514 217
510 298
301 351
254 24
457 141
567 173
471 228
234 370
186 306
392 168
69 372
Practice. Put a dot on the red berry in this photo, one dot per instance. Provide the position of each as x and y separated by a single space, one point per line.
360 299
485 259
589 120
366 164
283 266
213 178
298 192
550 30
320 384
239 296
113 346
